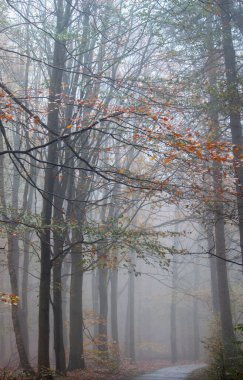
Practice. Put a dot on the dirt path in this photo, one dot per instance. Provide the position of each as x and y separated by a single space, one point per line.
179 372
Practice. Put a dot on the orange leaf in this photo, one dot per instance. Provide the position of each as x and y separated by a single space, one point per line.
36 120
168 160
199 154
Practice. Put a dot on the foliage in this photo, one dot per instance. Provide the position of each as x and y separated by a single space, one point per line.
102 359
218 368
8 374
199 374
9 299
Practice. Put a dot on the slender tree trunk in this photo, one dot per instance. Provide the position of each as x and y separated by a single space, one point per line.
220 249
196 334
113 215
95 302
213 269
76 354
58 256
131 314
27 204
59 57
24 298
173 314
57 311
12 247
114 316
13 260
103 297
235 106
65 305
224 296
77 213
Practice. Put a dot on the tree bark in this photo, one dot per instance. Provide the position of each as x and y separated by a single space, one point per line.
196 333
224 296
114 316
59 234
234 103
173 314
218 209
131 314
103 297
12 251
55 90
95 302
76 355
13 260
213 270
57 310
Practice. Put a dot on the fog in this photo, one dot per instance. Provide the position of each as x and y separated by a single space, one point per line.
121 187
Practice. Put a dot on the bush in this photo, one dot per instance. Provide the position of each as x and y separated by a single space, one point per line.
219 367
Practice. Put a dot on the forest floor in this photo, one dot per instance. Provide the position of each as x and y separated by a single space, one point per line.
199 374
126 371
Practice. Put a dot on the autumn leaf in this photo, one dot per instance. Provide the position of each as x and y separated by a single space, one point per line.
177 134
69 126
168 159
199 154
10 299
36 120
8 117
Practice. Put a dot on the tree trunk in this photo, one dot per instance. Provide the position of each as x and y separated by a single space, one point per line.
95 302
224 296
59 57
213 270
196 334
114 296
173 313
58 317
220 249
103 297
65 304
234 103
13 259
76 354
27 205
59 234
131 313
12 251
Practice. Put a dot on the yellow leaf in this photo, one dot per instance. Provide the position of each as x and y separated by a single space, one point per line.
69 126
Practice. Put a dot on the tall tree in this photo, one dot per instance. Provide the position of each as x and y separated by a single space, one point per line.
234 104
63 14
